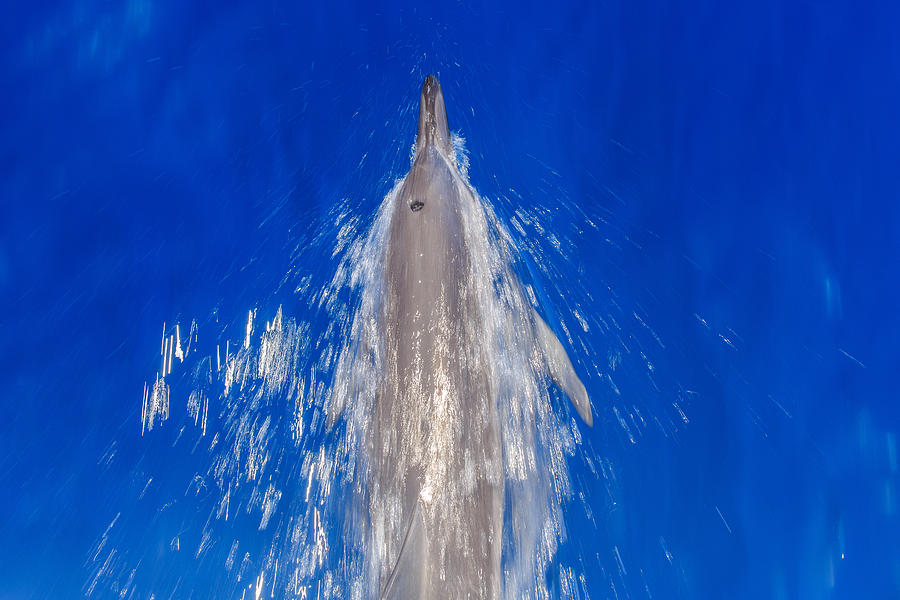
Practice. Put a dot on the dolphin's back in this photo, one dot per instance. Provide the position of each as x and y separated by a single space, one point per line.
435 442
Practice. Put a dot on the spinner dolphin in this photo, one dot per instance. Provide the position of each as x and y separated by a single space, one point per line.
433 443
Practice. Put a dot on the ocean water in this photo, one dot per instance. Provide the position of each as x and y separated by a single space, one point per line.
701 198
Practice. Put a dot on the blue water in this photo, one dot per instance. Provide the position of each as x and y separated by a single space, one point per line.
163 164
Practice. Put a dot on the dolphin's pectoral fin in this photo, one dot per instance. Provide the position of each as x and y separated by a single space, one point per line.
407 579
561 370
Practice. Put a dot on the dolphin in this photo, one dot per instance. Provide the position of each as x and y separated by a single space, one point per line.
434 455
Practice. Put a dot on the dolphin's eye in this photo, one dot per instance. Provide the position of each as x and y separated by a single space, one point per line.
416 205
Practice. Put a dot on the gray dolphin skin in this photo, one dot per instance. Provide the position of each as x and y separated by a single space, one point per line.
434 445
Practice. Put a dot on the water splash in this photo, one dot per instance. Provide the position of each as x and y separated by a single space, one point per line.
274 502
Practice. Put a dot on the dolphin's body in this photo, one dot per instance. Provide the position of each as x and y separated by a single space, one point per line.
434 458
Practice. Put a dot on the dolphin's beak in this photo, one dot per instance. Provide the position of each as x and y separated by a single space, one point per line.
433 127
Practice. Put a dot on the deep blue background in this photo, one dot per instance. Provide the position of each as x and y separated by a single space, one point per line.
156 160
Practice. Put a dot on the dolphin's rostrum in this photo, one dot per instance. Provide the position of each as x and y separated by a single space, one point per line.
433 443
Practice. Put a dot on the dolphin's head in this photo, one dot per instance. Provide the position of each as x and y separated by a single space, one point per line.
430 188
433 127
